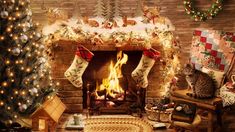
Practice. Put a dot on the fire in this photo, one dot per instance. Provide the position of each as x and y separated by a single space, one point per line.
111 84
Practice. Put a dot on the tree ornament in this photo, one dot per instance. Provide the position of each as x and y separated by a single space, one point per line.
29 12
16 51
41 47
38 35
23 107
202 16
23 38
42 60
4 14
8 72
33 91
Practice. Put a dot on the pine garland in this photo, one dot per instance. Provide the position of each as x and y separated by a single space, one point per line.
200 15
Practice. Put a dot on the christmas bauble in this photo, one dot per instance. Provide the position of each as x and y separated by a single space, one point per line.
33 91
35 82
4 14
38 35
24 38
27 25
42 60
29 13
12 1
41 47
8 71
16 51
23 107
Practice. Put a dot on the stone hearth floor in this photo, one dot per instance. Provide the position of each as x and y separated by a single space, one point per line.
228 123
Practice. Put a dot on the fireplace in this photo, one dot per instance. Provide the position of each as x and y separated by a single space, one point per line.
105 92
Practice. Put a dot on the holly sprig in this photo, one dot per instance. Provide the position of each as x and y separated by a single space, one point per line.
216 6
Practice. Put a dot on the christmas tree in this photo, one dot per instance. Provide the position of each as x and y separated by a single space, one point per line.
25 80
114 9
99 8
111 10
117 8
108 9
139 9
77 11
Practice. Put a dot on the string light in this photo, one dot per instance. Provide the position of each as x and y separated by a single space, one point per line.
15 37
23 93
10 18
16 92
2 92
21 61
7 62
8 107
8 29
2 38
22 68
15 116
11 74
22 3
28 69
4 84
1 103
18 14
57 84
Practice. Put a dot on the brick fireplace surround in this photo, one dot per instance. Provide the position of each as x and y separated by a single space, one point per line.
71 96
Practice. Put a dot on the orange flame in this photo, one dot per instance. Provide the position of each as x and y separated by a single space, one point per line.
111 84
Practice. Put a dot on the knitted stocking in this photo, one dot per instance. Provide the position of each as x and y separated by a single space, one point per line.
142 70
75 71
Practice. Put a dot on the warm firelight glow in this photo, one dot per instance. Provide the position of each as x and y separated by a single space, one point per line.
111 84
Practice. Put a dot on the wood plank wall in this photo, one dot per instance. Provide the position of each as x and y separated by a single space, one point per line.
173 9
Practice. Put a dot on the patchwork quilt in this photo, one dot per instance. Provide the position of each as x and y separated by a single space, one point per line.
212 49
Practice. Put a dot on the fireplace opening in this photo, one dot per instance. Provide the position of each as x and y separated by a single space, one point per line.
109 83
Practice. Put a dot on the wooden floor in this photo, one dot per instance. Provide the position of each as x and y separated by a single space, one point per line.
228 124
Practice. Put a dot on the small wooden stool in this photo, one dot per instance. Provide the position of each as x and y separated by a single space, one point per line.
187 126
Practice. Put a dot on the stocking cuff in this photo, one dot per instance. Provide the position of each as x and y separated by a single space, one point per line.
84 53
152 53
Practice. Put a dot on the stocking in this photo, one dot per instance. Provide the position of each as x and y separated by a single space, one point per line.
142 70
75 71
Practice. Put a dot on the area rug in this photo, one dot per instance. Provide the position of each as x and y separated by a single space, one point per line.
116 124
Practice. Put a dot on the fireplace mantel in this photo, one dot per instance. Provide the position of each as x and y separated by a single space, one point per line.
71 44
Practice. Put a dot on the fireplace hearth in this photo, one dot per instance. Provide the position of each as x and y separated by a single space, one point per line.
98 75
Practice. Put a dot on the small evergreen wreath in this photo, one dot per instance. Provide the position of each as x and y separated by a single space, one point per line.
202 16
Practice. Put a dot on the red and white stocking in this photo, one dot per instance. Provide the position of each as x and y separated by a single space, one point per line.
145 65
82 58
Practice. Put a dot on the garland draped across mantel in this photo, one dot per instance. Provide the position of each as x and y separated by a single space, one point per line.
197 15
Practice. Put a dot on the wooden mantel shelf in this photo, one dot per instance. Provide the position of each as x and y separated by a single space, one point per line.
105 47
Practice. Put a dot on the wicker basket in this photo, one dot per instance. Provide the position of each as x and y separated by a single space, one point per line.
157 115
